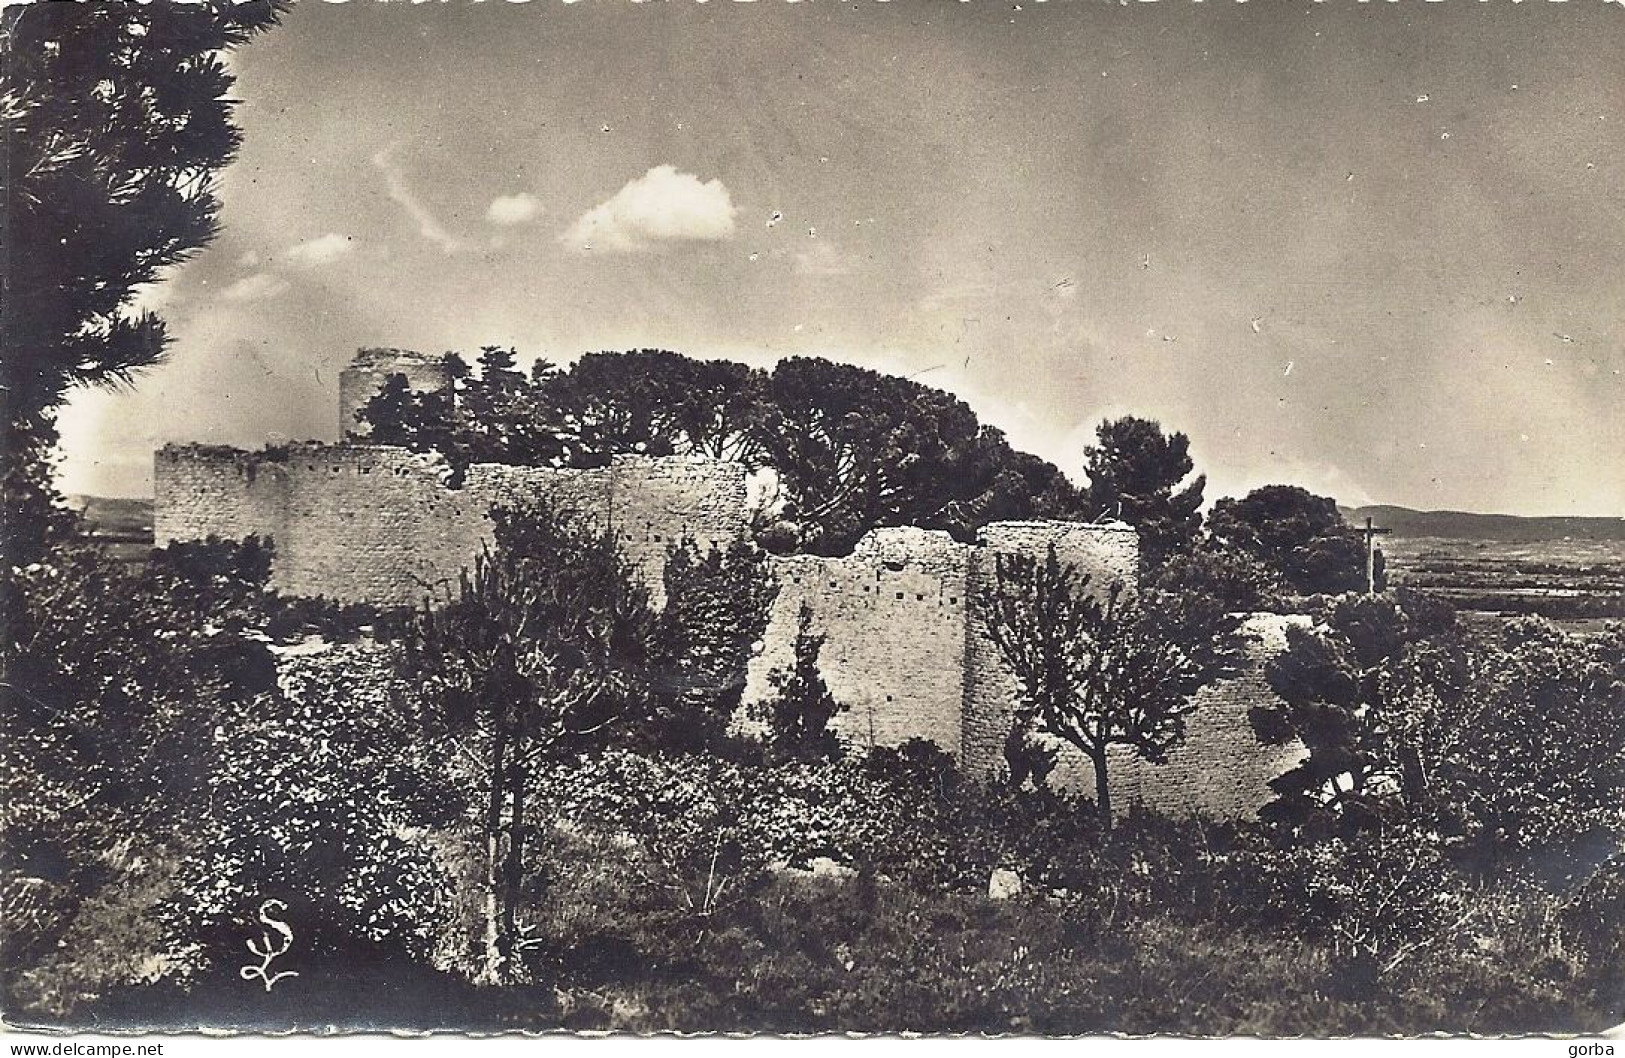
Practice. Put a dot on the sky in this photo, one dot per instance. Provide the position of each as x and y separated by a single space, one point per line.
1374 249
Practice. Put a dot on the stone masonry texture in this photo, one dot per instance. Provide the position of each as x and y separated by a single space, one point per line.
893 617
357 522
372 523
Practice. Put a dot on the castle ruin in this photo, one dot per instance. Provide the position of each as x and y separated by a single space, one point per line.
361 522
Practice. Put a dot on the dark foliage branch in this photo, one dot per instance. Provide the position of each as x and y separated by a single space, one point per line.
1506 744
661 403
717 608
115 118
1337 684
1138 474
850 449
1299 537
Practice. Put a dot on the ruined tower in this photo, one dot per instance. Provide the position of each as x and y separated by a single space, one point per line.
371 368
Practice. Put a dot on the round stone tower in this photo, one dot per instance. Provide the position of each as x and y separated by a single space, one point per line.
368 372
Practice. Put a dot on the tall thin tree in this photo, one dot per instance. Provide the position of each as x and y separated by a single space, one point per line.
1112 670
542 652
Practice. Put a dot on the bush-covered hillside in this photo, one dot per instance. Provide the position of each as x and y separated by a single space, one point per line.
531 810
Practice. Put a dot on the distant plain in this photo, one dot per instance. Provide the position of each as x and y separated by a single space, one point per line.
1578 583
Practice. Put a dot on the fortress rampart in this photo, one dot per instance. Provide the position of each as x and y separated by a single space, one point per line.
904 649
907 653
893 614
372 523
1220 769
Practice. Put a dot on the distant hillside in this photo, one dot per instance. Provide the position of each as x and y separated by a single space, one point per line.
1463 525
112 517
122 528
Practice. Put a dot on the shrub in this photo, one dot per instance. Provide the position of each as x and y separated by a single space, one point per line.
716 610
798 713
314 798
113 678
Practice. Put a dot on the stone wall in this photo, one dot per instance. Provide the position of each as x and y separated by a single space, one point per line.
201 490
1220 770
1105 553
893 617
656 502
380 524
903 649
357 522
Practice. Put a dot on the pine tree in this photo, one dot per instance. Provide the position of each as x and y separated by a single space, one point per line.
115 119
1137 474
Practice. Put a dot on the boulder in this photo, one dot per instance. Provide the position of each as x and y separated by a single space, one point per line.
1003 884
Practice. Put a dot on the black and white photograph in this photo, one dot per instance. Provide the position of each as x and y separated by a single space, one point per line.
994 518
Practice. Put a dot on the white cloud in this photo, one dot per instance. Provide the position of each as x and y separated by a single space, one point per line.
822 259
513 209
662 205
400 193
261 286
320 250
